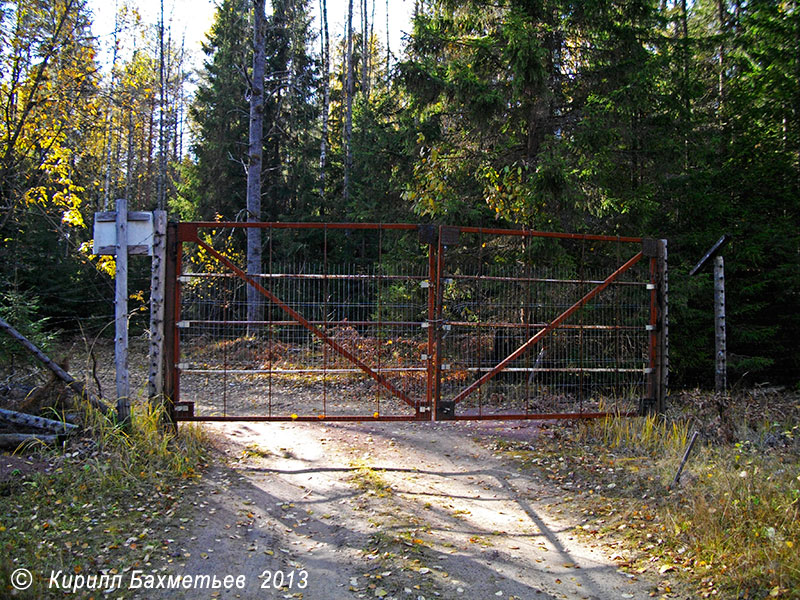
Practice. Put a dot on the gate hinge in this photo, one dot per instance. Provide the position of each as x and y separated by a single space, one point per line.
183 410
182 324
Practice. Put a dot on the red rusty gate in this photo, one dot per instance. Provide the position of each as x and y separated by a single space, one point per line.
356 321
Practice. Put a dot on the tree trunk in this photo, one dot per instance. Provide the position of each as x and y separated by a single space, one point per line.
326 98
162 107
364 49
348 124
255 159
388 47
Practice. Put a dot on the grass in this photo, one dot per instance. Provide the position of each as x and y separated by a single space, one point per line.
731 529
102 503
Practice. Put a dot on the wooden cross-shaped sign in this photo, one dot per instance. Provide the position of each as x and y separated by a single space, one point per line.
120 233
140 233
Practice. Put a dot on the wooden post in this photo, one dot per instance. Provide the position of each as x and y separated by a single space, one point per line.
720 351
721 364
663 334
157 275
121 312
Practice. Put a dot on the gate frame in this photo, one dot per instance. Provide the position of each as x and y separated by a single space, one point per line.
437 238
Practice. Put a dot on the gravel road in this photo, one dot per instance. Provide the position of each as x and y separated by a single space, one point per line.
408 511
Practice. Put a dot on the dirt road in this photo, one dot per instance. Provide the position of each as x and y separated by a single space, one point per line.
382 510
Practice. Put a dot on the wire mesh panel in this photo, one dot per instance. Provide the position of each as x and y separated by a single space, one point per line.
354 321
339 329
500 290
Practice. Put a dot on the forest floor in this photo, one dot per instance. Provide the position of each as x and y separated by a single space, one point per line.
387 510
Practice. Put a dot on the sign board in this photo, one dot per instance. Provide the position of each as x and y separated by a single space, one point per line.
140 233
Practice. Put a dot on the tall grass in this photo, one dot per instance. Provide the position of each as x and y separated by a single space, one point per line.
733 526
651 435
102 501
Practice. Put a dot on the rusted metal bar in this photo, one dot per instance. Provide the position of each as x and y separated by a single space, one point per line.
542 280
190 322
304 323
551 234
303 418
440 409
321 371
431 353
171 303
319 276
521 326
188 230
540 416
394 418
546 330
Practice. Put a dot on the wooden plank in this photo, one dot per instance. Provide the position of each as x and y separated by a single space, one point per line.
111 216
121 312
14 440
662 331
713 251
19 418
112 250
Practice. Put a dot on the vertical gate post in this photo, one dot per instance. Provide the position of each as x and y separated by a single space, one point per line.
171 307
121 313
442 410
430 394
658 362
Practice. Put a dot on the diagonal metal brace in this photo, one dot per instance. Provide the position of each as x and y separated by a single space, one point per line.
304 322
546 329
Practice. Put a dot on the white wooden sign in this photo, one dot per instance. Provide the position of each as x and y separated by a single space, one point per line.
140 233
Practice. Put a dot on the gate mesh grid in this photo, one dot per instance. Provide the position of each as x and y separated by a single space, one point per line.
368 291
370 306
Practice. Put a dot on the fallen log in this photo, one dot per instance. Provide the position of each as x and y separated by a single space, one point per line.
70 381
19 418
14 440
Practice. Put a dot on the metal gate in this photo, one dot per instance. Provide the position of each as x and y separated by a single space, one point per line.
357 321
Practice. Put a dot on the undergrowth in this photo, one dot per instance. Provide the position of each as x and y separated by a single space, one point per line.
729 529
102 503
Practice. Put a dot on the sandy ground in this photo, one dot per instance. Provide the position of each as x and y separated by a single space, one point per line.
383 510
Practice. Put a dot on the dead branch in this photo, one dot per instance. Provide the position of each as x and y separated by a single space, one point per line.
71 382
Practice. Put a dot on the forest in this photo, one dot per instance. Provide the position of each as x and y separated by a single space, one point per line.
670 119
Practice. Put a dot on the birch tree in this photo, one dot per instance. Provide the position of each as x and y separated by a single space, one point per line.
255 158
